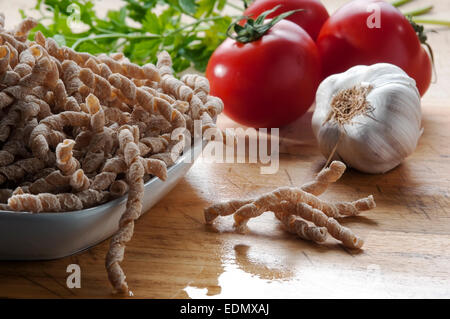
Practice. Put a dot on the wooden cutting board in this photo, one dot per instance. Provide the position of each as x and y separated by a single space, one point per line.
174 255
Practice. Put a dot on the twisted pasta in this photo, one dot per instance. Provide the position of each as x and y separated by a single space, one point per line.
77 130
290 203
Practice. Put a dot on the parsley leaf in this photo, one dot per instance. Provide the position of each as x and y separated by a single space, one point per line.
190 30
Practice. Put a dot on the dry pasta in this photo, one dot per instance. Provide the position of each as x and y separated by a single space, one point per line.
77 130
295 206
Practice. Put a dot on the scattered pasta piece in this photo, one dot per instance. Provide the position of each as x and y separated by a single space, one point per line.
292 206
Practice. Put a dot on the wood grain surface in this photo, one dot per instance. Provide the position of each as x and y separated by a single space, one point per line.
175 255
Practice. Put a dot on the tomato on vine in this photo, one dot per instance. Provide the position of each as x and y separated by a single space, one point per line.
266 73
311 18
346 40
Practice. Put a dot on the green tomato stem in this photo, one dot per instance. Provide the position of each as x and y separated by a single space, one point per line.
418 12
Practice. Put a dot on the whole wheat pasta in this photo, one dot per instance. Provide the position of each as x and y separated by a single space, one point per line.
5 100
348 238
316 187
98 118
115 115
164 64
289 204
39 74
13 51
270 201
64 159
4 58
172 153
50 183
10 120
154 104
105 71
42 173
196 82
223 209
5 193
118 188
94 83
154 167
133 210
79 181
103 180
62 101
27 60
45 202
49 132
92 197
70 76
92 65
77 130
113 65
146 72
9 78
100 147
324 178
15 144
125 85
93 160
115 165
298 226
199 84
22 30
18 191
6 157
153 145
213 105
16 172
176 88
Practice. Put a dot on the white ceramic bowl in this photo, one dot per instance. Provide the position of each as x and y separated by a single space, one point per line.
25 236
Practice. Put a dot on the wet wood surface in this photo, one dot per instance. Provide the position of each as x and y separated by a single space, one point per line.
175 255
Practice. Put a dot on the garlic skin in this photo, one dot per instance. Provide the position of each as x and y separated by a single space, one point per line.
378 138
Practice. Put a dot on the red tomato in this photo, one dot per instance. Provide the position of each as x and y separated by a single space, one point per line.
268 82
311 19
346 40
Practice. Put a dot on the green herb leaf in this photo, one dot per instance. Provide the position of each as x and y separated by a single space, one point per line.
190 30
151 23
188 6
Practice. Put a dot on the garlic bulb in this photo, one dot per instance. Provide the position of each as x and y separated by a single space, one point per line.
369 117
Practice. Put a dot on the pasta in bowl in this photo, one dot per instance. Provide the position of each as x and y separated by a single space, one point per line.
77 133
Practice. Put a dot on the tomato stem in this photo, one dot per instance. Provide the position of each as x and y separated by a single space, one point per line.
419 12
254 29
420 30
399 3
